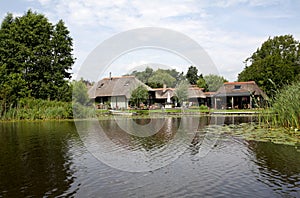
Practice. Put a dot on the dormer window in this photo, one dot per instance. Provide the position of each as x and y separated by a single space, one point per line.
237 86
101 85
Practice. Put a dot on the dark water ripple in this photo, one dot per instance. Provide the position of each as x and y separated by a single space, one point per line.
50 160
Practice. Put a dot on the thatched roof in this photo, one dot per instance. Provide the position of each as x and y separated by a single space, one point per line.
162 93
193 92
196 92
115 86
240 89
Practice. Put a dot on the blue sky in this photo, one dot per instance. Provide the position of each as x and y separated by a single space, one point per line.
228 30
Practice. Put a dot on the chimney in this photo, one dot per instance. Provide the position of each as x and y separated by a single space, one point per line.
110 76
164 87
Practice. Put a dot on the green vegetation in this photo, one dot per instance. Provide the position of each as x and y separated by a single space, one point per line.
35 60
277 60
160 78
38 109
285 108
252 131
214 82
139 95
181 92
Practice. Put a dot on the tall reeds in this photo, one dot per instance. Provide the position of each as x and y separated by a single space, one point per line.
285 107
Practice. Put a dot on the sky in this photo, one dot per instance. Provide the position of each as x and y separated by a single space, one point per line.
229 31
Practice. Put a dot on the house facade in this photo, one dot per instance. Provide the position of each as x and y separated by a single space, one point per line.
115 92
239 95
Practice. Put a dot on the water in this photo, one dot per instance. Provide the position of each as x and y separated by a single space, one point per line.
49 159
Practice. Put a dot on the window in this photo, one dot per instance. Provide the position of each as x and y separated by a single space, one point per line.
101 85
237 86
127 83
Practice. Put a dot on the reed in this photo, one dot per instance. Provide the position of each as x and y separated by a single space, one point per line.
38 109
284 108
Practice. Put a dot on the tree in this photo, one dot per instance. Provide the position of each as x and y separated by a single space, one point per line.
192 75
139 95
275 63
181 91
160 78
202 83
214 82
80 92
35 58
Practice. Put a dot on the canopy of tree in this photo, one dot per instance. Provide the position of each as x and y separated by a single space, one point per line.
192 75
274 64
214 82
35 59
181 91
158 78
139 95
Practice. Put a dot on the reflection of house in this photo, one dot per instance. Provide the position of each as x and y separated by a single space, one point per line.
239 95
115 90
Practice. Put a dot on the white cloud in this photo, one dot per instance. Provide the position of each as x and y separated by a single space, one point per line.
92 21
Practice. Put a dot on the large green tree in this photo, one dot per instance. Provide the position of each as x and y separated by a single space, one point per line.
192 75
181 92
139 95
214 82
159 78
35 58
274 64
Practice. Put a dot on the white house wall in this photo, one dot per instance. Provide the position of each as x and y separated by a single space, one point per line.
118 102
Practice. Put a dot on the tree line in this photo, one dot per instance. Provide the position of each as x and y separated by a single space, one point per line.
35 59
172 78
275 64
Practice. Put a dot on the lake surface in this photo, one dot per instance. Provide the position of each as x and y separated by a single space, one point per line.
50 159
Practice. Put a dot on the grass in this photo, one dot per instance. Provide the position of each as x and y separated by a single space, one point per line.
285 108
38 109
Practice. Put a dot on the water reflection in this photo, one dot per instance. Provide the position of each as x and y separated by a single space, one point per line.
48 159
34 158
279 167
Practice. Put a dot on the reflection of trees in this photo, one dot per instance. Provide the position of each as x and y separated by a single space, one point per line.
160 138
279 166
34 159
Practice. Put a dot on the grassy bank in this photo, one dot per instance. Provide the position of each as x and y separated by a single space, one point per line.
37 109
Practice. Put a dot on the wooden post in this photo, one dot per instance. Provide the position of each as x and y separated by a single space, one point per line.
215 103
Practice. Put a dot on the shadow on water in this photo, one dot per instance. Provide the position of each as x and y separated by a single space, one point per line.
34 158
278 166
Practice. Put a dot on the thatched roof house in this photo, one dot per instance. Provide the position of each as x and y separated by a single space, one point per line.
116 90
240 95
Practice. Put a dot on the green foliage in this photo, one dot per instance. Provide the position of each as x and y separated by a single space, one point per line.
214 82
203 107
35 59
192 75
154 77
38 109
202 83
278 60
80 94
181 91
159 78
286 106
139 95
